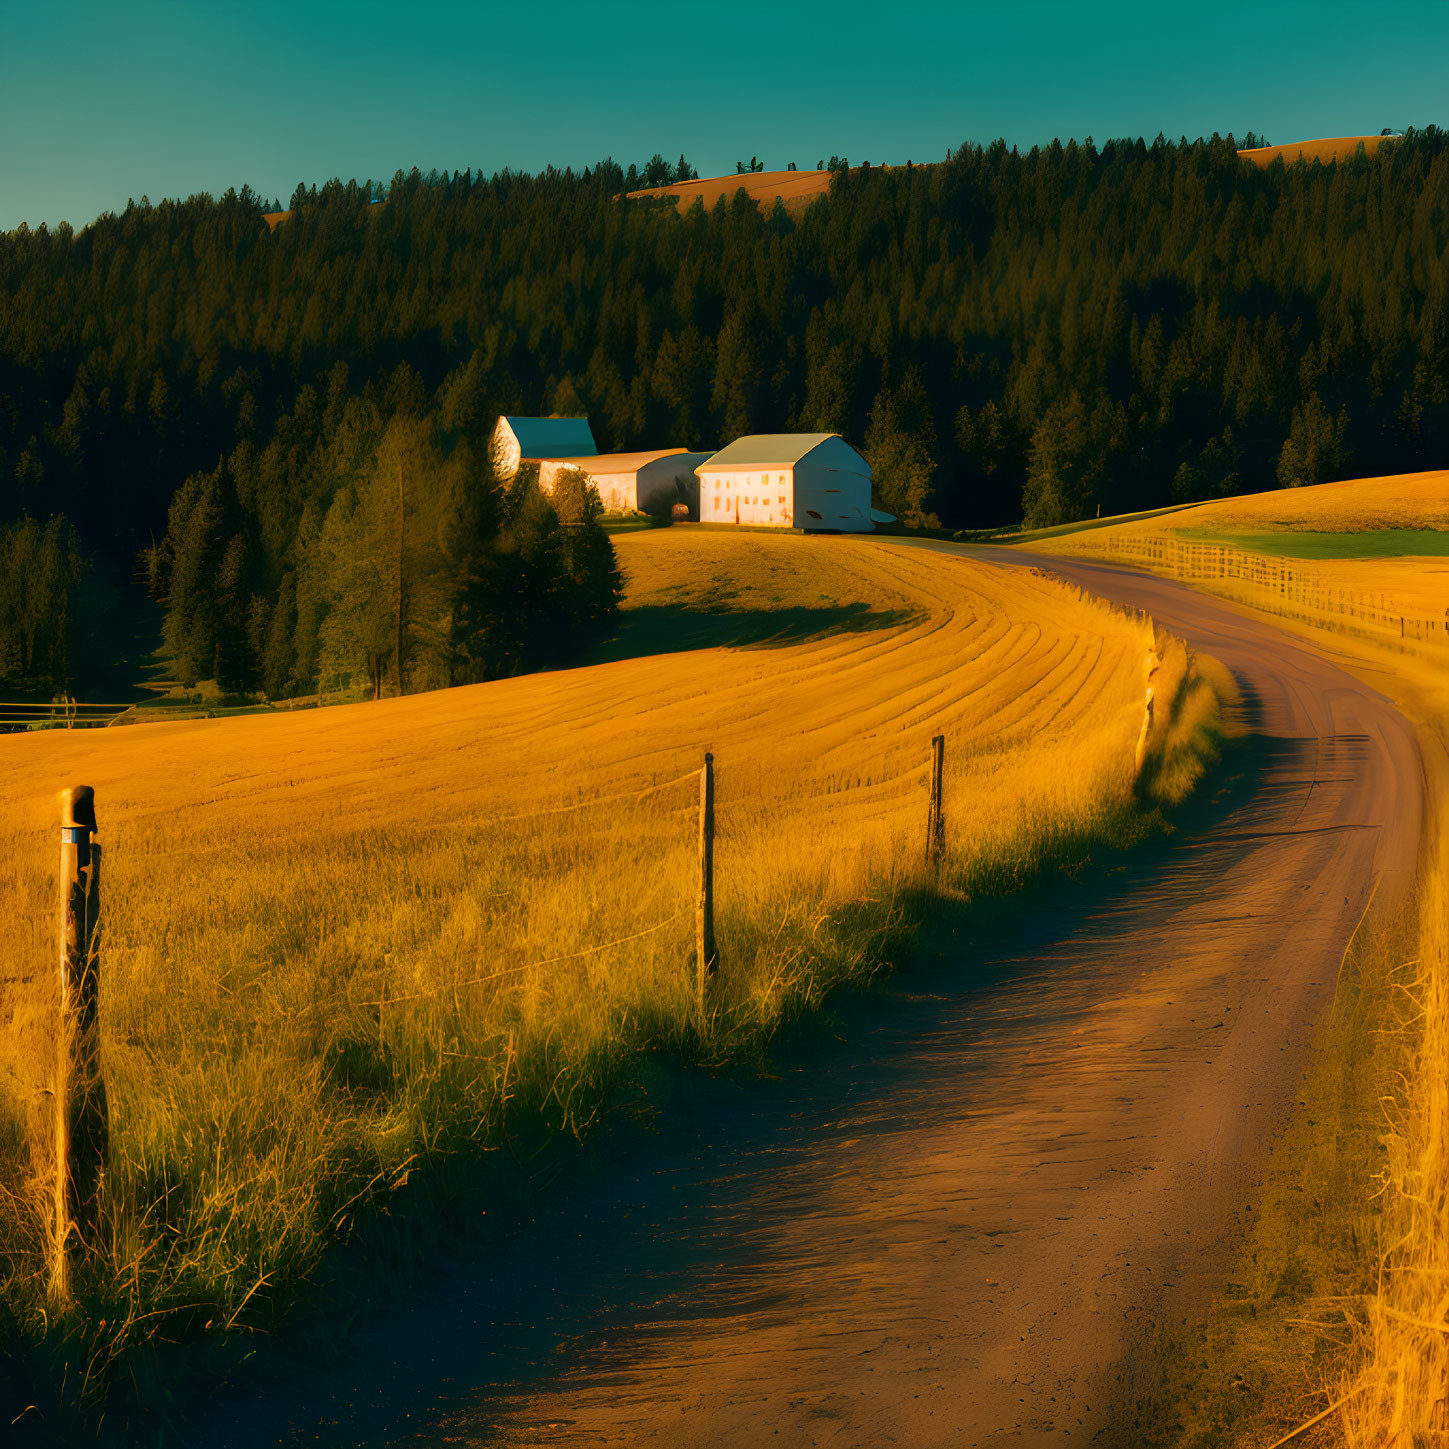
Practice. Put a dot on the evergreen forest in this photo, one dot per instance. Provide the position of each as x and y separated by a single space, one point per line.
280 431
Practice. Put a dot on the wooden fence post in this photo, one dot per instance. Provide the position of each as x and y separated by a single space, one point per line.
706 958
81 1126
935 822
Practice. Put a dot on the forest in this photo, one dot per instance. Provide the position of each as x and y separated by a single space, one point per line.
281 431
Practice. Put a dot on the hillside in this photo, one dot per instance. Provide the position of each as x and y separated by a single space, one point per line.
1326 149
1400 502
797 189
1002 333
1377 545
341 943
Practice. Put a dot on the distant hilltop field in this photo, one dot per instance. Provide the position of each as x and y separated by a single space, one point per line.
797 189
1328 148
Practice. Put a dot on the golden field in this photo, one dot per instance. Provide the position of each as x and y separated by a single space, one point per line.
1356 505
795 189
1389 1386
342 942
1337 556
1326 149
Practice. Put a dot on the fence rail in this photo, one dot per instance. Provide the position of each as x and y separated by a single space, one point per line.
1295 586
60 714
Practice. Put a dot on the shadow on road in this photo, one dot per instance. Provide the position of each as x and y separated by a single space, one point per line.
652 1230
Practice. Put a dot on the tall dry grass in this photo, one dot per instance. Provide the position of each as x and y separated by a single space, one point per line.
1396 1391
347 945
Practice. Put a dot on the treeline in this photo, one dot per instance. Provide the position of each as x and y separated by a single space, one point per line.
367 541
41 568
1008 336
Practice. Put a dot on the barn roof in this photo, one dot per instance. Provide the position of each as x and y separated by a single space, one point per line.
553 437
610 463
768 450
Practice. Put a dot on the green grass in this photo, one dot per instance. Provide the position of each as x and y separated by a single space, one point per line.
1379 543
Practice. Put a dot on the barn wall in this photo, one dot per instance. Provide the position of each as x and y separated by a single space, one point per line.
656 490
840 496
617 491
761 496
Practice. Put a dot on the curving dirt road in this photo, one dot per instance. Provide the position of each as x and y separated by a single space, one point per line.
950 1230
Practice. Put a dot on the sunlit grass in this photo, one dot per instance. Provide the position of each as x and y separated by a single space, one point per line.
343 946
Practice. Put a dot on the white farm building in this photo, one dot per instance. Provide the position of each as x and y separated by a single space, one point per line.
515 439
813 481
650 482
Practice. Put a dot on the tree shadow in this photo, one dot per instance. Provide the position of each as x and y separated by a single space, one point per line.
668 629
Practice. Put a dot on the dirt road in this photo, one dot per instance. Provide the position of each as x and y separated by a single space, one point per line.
949 1229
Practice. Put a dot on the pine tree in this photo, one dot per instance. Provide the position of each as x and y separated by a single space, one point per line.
899 443
1313 452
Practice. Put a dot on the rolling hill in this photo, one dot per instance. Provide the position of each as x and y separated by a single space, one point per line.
1326 149
796 189
345 940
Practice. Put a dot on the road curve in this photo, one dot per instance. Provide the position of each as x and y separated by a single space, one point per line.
952 1228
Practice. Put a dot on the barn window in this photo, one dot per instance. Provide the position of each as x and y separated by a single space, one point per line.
716 502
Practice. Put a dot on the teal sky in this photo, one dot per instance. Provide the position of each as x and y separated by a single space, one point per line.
101 102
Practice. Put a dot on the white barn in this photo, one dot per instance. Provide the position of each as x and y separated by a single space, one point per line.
813 481
515 439
651 482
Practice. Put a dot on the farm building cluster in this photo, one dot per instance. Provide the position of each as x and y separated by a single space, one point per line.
811 481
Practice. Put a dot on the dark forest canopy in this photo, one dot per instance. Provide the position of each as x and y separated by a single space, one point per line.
1005 334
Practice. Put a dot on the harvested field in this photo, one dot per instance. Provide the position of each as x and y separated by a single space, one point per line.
343 942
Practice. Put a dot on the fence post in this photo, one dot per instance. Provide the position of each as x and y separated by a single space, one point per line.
81 1127
705 956
935 823
1141 754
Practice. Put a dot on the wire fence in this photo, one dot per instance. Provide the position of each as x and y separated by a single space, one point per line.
78 1090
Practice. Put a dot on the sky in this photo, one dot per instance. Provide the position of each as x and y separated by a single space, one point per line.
104 102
